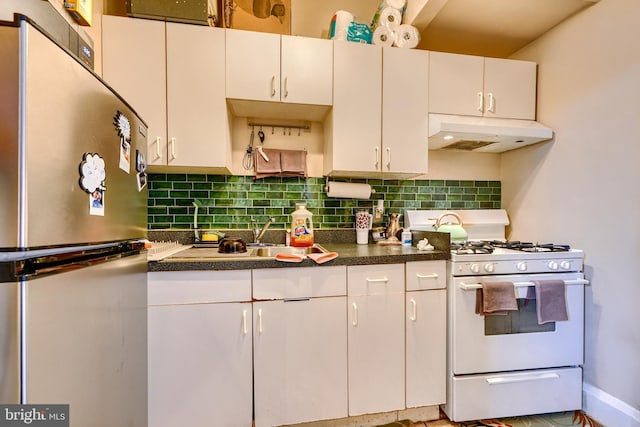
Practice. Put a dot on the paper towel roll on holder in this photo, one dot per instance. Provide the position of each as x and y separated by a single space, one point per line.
348 190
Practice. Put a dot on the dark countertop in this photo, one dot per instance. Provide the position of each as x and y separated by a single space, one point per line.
348 254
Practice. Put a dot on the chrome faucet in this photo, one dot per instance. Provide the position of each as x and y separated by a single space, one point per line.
259 232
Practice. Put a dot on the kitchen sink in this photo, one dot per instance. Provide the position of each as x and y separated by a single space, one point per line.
204 253
272 251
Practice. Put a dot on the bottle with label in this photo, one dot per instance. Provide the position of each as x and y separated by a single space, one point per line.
406 237
301 226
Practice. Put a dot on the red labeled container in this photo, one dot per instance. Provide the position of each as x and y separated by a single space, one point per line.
301 226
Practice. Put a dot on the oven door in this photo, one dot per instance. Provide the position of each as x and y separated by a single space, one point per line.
497 343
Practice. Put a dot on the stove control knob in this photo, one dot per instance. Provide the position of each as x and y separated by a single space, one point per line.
566 265
489 268
521 266
553 265
475 268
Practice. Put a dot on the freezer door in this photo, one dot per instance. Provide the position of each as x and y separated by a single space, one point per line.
86 340
68 113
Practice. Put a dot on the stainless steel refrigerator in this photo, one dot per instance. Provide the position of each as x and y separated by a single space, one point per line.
72 212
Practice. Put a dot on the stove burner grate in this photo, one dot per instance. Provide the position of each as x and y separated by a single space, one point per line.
529 246
472 248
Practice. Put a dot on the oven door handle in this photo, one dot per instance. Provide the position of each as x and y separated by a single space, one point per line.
521 378
472 286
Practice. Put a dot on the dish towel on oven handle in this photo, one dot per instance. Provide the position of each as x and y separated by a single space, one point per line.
496 298
551 301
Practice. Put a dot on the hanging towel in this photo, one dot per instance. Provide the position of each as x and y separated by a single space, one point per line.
496 298
294 162
270 168
281 163
551 302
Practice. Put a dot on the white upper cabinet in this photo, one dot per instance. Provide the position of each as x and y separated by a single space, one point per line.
405 108
379 121
270 67
197 125
352 129
133 63
306 70
179 93
477 86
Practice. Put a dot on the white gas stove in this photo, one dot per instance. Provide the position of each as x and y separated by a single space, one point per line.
496 363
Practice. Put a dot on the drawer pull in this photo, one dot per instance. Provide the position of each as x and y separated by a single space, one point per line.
355 314
381 280
521 378
244 321
427 276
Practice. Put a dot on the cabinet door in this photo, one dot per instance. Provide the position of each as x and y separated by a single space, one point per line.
300 360
426 348
510 88
200 364
376 338
133 63
455 84
198 129
252 65
405 111
355 134
306 70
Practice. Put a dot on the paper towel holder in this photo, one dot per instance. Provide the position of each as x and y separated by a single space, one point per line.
326 187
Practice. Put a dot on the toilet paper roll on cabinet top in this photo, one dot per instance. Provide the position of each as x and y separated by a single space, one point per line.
349 190
383 36
406 36
388 17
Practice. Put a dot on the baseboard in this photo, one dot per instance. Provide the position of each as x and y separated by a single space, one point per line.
608 410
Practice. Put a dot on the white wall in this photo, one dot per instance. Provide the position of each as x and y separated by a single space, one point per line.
583 187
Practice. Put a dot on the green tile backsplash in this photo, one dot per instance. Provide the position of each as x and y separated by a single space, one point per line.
230 201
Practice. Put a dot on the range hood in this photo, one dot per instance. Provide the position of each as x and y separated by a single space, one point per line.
483 134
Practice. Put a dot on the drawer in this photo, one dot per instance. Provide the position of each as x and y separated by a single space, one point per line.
516 393
296 282
198 287
425 275
375 279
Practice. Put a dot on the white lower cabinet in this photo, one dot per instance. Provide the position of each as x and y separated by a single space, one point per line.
300 345
376 345
293 345
426 333
199 346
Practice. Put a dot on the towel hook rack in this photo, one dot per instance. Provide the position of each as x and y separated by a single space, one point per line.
286 126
